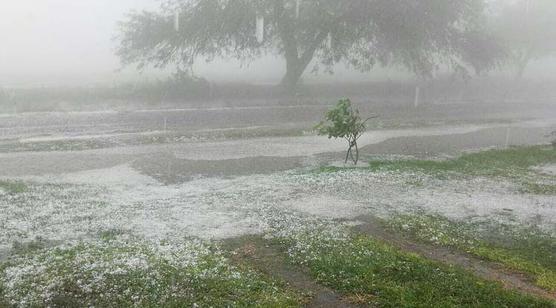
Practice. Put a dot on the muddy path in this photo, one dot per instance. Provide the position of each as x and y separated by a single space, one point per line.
268 259
484 269
247 113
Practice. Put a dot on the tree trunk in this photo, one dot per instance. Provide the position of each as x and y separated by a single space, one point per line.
296 60
348 153
417 98
352 147
290 81
356 153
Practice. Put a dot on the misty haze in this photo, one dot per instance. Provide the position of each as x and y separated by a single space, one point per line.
278 153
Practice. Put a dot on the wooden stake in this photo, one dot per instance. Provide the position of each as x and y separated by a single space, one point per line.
417 99
260 29
329 41
177 22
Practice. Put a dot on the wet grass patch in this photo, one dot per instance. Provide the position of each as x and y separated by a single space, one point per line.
13 187
377 274
332 169
532 187
524 249
513 162
133 273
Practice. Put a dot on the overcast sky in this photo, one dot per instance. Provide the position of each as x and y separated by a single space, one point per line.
45 42
60 37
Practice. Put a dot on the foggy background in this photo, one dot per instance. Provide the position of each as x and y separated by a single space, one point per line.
70 43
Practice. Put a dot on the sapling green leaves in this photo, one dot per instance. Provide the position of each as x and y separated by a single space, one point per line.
343 121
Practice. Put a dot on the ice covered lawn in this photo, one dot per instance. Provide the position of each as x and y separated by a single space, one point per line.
72 207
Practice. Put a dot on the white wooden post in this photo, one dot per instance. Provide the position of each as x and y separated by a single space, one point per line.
329 41
260 28
177 21
297 8
417 99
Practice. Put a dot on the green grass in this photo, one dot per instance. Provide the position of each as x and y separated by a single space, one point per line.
513 162
120 274
331 169
538 188
383 276
526 250
12 187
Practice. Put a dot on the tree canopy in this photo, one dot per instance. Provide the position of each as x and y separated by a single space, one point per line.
421 35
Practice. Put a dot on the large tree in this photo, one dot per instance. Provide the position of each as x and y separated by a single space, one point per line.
419 34
528 30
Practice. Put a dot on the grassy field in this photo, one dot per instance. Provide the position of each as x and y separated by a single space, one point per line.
308 255
374 273
362 270
11 187
112 273
524 249
514 163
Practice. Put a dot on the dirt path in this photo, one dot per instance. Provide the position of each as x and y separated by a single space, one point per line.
481 268
268 259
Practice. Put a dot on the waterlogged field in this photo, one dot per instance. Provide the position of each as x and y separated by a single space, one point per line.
478 230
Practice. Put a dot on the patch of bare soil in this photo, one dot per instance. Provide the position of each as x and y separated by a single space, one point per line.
168 169
268 259
481 268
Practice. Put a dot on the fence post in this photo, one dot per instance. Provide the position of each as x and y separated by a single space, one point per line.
417 99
